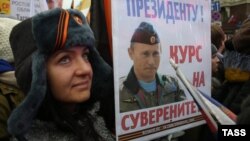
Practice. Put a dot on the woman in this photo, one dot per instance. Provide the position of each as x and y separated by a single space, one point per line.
69 81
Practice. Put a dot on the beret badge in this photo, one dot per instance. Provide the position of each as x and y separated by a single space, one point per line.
152 39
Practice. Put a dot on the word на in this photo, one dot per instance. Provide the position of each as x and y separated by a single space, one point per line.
165 114
164 9
199 79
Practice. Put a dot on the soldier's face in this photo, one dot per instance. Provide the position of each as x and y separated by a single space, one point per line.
146 60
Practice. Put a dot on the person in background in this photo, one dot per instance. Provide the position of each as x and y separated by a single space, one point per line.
51 4
60 3
238 73
218 39
63 77
236 87
10 94
244 116
54 3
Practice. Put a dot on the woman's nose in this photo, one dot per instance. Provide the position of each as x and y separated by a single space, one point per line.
83 66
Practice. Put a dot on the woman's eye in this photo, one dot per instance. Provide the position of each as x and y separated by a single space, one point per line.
64 60
146 54
85 56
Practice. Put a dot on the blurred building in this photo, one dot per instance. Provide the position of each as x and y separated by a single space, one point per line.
233 12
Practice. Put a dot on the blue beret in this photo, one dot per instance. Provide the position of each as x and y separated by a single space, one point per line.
145 34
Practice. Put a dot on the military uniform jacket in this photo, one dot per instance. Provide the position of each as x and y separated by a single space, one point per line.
10 97
134 97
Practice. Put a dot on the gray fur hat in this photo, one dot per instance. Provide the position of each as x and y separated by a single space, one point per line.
32 42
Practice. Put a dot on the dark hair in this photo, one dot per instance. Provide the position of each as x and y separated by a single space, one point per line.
229 44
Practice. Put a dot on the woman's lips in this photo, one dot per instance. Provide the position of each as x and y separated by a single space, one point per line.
81 85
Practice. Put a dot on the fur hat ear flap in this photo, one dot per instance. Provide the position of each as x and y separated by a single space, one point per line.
21 118
102 76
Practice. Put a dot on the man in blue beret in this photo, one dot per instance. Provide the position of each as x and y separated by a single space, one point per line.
143 87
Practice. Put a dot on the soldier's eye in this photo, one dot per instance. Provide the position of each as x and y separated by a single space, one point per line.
155 54
146 54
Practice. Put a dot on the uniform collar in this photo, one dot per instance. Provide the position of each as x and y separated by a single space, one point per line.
8 89
132 83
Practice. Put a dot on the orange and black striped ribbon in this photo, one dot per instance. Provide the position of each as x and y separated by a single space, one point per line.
62 30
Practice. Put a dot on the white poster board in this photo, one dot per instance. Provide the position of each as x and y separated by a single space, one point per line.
184 31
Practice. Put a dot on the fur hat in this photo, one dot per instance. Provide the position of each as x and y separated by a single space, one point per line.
6 25
32 42
145 34
241 39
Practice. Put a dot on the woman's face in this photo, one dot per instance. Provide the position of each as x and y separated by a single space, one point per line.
70 75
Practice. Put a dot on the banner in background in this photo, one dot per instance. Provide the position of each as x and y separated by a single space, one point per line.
22 9
184 31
